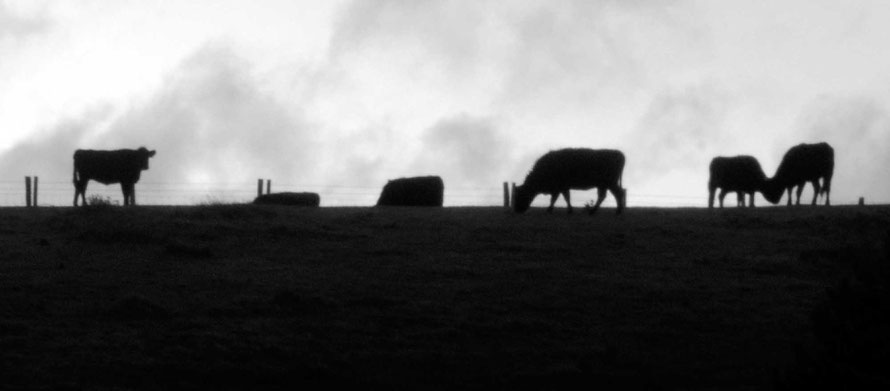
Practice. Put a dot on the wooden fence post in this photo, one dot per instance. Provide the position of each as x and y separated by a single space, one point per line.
259 187
268 186
35 191
861 201
28 191
513 195
506 195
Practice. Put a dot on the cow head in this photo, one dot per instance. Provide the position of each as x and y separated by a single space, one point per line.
145 154
772 191
522 198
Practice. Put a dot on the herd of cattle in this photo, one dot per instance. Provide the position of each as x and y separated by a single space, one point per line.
555 173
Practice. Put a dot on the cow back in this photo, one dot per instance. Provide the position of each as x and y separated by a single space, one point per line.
118 166
742 173
414 191
576 168
806 162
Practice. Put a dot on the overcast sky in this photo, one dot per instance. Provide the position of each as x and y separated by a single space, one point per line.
326 93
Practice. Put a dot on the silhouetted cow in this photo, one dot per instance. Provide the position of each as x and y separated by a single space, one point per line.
741 174
801 164
559 171
415 191
287 198
120 166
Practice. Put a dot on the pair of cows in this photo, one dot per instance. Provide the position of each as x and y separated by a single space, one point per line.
802 163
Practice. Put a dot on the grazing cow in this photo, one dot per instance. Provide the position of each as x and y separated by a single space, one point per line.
415 191
288 198
801 164
741 174
559 171
121 166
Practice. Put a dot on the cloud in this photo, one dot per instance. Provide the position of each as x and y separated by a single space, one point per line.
213 122
858 128
210 122
51 152
467 151
682 129
15 26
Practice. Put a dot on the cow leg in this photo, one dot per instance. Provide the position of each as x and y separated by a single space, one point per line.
131 194
553 198
722 196
711 191
80 189
618 193
127 189
816 189
600 196
751 203
790 189
740 199
76 193
131 188
565 195
799 192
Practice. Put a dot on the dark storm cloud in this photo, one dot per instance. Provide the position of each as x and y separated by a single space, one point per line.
210 122
466 151
18 26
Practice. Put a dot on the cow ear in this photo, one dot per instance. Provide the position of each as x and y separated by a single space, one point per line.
151 153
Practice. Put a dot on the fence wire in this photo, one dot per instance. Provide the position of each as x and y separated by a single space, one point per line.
61 193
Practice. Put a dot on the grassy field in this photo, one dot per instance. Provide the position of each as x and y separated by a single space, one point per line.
241 296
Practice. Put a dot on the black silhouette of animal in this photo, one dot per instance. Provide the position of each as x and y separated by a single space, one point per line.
559 171
414 191
741 174
122 166
801 164
288 198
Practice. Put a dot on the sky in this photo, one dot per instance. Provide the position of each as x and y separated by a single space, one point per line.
340 96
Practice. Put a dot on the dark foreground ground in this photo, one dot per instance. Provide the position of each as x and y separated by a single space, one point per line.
248 297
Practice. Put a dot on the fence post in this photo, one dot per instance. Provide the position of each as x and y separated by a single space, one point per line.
861 201
28 191
259 187
506 195
35 191
513 195
268 186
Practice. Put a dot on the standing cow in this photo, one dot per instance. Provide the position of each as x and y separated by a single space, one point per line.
801 164
120 166
559 171
741 174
